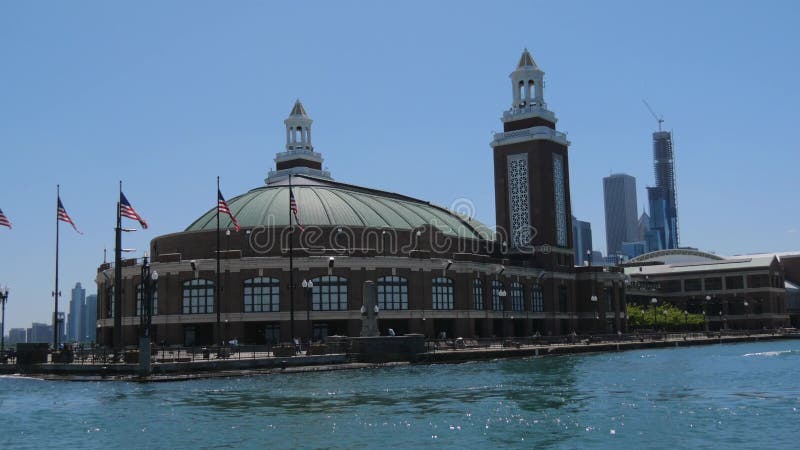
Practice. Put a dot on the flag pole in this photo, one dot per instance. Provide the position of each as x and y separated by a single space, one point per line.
291 264
55 292
217 331
117 338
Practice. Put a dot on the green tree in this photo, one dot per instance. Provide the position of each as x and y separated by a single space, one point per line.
667 317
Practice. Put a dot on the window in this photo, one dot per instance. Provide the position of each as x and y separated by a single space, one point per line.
758 281
198 297
110 302
734 282
517 297
692 285
497 300
329 294
713 284
261 294
442 292
392 293
518 200
562 298
140 298
477 294
538 299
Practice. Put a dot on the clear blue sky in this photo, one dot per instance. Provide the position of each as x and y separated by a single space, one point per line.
168 95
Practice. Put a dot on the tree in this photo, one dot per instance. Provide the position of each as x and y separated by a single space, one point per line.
666 316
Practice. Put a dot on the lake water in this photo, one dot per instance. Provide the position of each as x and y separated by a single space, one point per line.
743 395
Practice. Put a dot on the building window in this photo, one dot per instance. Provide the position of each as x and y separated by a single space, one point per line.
477 294
713 284
442 291
560 200
518 200
562 299
692 285
758 281
261 294
392 293
329 294
497 300
517 297
140 298
734 282
538 299
198 297
110 302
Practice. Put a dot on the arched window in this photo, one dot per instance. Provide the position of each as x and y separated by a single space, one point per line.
198 297
442 292
110 302
140 298
521 91
298 135
537 298
517 297
531 90
477 294
261 294
497 300
329 294
392 293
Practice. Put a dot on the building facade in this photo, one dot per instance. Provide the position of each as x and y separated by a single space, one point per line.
742 292
663 198
302 274
619 194
582 236
76 328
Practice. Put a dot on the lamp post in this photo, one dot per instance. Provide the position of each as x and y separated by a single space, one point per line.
642 310
308 286
146 316
3 300
746 315
593 299
686 320
502 294
721 326
654 301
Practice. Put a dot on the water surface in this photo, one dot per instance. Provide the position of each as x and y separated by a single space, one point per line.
740 395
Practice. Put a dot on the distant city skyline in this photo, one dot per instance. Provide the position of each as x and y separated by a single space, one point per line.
168 96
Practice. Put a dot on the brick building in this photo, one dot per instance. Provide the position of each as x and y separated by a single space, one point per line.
436 271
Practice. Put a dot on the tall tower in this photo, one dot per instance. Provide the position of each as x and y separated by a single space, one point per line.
531 174
299 156
619 194
663 198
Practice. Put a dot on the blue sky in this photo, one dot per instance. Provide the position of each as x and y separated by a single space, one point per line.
167 95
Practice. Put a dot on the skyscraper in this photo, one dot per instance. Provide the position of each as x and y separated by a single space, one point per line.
75 319
619 192
663 198
90 319
582 240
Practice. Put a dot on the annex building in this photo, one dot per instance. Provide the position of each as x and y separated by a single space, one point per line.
436 272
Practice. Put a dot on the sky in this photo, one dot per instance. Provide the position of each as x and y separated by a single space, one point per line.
166 96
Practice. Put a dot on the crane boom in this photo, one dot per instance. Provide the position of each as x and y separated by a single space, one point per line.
658 118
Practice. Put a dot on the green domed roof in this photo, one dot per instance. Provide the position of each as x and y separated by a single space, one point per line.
327 203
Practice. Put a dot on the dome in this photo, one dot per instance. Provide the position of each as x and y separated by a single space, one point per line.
326 203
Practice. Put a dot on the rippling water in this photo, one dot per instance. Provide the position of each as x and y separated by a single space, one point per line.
744 395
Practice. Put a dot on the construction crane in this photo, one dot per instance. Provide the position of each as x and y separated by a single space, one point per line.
659 119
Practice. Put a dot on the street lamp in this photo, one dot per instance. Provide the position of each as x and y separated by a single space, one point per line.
308 285
654 301
593 299
686 320
3 300
745 314
502 294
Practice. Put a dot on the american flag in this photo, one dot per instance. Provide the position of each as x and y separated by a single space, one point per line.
293 209
222 206
126 210
64 217
4 220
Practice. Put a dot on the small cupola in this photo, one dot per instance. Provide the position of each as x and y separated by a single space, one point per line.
299 157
